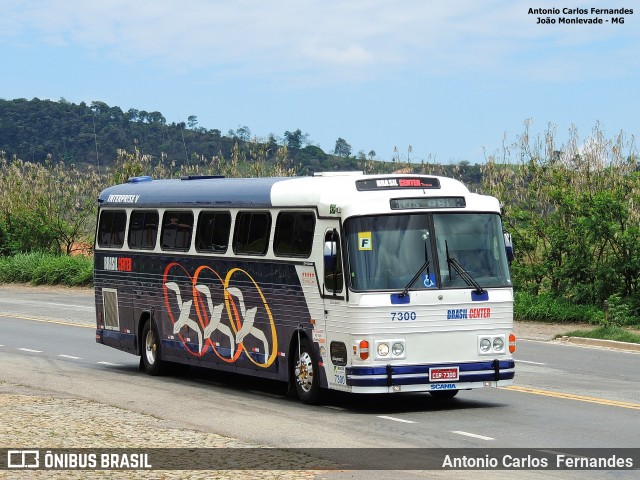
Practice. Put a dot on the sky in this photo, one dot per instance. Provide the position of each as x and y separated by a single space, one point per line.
433 80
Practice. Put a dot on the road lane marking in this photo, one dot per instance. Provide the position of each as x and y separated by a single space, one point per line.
70 357
579 398
53 304
110 364
45 320
30 350
395 419
472 435
529 362
333 407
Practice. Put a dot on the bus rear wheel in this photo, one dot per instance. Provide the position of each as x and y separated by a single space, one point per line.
151 350
306 374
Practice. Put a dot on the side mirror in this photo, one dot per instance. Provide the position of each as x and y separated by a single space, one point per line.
330 254
332 267
508 246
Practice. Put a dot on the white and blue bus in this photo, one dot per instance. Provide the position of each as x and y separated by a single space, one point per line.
343 281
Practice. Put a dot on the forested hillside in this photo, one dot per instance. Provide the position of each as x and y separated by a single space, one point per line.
83 135
92 134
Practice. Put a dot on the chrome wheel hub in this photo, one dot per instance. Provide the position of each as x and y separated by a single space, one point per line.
304 372
150 347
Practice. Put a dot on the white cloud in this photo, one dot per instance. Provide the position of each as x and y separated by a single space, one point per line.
311 38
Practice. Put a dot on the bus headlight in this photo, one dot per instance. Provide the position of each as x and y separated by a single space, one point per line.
397 349
491 345
390 349
383 349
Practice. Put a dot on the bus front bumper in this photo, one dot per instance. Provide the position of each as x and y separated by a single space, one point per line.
419 378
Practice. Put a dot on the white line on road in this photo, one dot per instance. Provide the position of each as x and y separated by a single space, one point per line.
333 407
473 435
110 364
69 356
395 419
66 306
527 361
30 350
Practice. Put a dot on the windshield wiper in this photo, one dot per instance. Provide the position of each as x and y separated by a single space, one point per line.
424 266
468 279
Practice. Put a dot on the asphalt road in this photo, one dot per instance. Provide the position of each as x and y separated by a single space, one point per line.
564 397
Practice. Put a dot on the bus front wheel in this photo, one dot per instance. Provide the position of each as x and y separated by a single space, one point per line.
306 374
151 351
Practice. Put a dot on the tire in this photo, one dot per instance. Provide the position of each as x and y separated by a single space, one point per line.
151 352
306 374
444 394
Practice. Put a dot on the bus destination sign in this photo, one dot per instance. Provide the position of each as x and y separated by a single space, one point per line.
397 183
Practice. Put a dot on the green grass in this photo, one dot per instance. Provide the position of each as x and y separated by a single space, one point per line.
545 308
40 268
608 332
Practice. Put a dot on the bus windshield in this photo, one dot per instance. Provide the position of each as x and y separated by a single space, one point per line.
386 252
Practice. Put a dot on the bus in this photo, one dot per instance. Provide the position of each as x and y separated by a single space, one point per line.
337 281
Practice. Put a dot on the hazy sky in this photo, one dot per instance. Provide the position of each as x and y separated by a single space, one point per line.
449 78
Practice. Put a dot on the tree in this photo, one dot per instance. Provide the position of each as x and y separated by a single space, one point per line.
295 139
343 149
192 121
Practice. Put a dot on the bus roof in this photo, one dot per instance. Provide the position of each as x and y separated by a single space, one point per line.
321 190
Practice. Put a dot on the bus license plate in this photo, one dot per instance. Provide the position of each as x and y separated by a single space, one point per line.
443 374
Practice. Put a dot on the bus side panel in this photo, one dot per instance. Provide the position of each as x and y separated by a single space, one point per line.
210 312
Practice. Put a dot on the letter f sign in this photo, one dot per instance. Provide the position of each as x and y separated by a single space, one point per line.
364 241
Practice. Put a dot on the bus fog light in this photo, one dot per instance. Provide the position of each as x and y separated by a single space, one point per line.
485 345
397 349
498 344
383 349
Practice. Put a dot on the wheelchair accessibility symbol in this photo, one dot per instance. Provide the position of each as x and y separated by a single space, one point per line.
429 280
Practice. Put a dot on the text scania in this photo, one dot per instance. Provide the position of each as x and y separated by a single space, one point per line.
462 313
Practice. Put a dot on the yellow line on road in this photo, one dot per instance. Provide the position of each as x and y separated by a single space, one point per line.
579 398
45 320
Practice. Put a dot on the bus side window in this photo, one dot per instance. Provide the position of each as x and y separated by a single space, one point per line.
251 236
294 234
333 282
176 230
143 229
213 232
111 228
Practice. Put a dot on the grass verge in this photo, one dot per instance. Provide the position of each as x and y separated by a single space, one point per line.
39 268
608 332
545 308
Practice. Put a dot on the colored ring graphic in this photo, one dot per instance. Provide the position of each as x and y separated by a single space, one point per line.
201 311
229 302
166 301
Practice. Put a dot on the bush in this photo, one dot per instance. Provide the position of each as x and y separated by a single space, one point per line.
40 268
